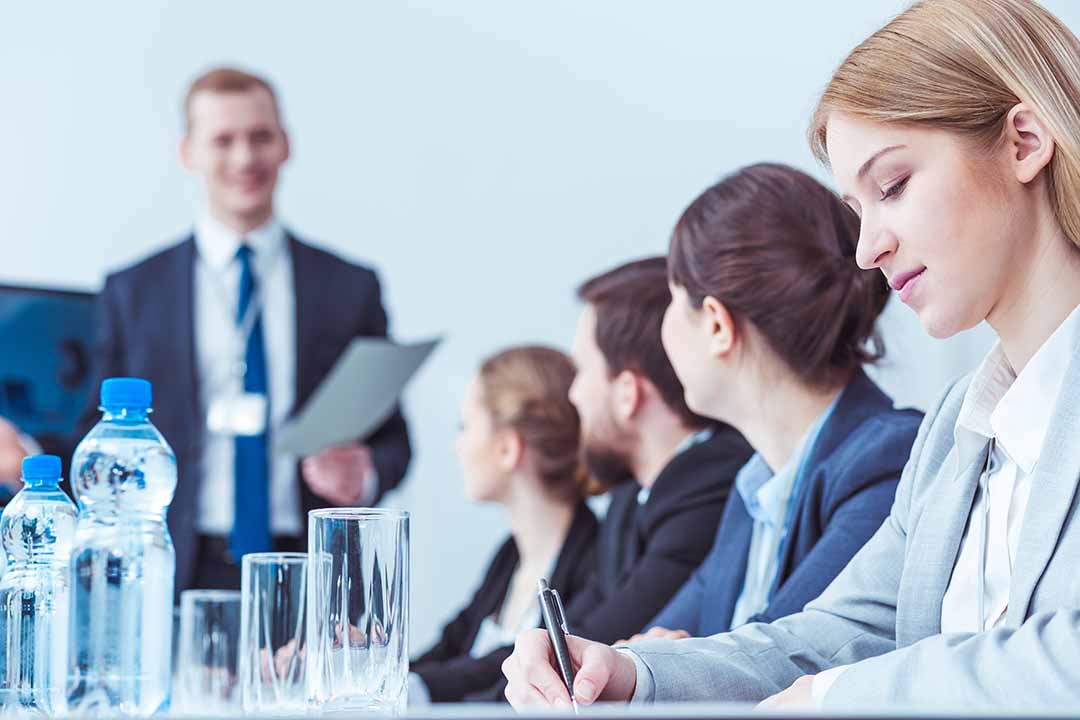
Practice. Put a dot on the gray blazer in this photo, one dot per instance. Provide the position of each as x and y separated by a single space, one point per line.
883 612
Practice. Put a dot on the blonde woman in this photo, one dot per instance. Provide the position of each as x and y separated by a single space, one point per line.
520 448
954 133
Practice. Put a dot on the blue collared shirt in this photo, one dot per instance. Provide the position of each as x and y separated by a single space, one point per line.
767 496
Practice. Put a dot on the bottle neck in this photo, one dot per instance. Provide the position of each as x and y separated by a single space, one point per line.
125 415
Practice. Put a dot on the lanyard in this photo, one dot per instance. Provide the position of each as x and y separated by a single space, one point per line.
240 332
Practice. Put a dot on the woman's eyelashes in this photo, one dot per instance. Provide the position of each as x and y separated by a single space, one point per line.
895 189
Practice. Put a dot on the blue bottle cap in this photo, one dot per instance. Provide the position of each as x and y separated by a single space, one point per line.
41 470
127 393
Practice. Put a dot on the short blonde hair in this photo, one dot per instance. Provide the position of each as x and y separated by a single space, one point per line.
961 65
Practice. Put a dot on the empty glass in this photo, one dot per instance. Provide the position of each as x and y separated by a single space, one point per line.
358 610
272 633
206 677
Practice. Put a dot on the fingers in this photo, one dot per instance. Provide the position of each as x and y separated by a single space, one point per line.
597 667
769 702
530 673
12 452
346 453
664 634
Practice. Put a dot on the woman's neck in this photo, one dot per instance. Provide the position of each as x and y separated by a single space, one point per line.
538 522
1042 297
776 413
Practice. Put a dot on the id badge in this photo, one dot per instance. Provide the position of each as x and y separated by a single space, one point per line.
238 414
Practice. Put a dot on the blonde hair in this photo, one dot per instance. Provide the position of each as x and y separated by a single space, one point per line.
961 65
526 389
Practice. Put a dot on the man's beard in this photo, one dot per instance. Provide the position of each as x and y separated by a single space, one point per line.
606 463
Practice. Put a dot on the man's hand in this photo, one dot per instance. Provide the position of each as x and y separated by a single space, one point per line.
341 474
602 673
657 632
797 697
12 453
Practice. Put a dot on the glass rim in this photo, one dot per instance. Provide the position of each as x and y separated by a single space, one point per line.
358 513
267 558
219 595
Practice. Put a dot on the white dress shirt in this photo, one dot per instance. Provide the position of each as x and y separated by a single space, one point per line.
217 342
1012 413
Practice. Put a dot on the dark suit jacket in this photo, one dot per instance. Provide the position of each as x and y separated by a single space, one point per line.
844 494
144 327
447 669
646 552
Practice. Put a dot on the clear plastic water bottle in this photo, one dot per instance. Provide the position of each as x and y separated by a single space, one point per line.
123 476
36 530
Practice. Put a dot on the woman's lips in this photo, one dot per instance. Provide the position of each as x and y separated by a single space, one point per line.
905 283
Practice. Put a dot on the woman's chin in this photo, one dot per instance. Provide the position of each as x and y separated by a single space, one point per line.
941 326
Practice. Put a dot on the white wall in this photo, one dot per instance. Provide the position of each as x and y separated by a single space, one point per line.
485 155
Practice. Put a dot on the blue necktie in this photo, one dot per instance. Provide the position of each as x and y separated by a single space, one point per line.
251 504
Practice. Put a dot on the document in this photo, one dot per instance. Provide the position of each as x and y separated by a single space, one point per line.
356 396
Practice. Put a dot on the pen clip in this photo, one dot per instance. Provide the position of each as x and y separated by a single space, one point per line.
559 612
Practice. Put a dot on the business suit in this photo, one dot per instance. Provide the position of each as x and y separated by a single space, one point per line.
144 327
449 671
646 551
882 615
843 492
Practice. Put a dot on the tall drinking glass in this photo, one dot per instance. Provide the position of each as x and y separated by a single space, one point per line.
206 671
272 633
358 610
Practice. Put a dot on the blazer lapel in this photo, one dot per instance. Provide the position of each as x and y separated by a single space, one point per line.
935 550
305 290
859 400
737 541
184 332
1053 487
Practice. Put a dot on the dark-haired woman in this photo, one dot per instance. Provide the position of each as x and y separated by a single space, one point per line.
519 447
769 328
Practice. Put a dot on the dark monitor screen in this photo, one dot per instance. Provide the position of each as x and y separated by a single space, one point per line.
45 337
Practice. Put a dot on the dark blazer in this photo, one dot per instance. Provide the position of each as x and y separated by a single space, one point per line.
144 327
843 495
447 669
647 551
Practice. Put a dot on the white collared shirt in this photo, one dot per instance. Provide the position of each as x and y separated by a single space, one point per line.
1014 411
217 289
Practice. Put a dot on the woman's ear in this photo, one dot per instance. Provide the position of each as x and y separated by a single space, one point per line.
721 327
510 450
1031 146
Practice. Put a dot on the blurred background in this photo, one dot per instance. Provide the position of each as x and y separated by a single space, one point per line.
486 156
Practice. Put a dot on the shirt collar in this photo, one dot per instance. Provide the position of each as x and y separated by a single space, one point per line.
1016 409
217 243
766 494
695 438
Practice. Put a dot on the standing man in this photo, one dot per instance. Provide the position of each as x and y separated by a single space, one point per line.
236 326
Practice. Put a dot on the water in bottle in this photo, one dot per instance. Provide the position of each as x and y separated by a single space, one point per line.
37 529
123 475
